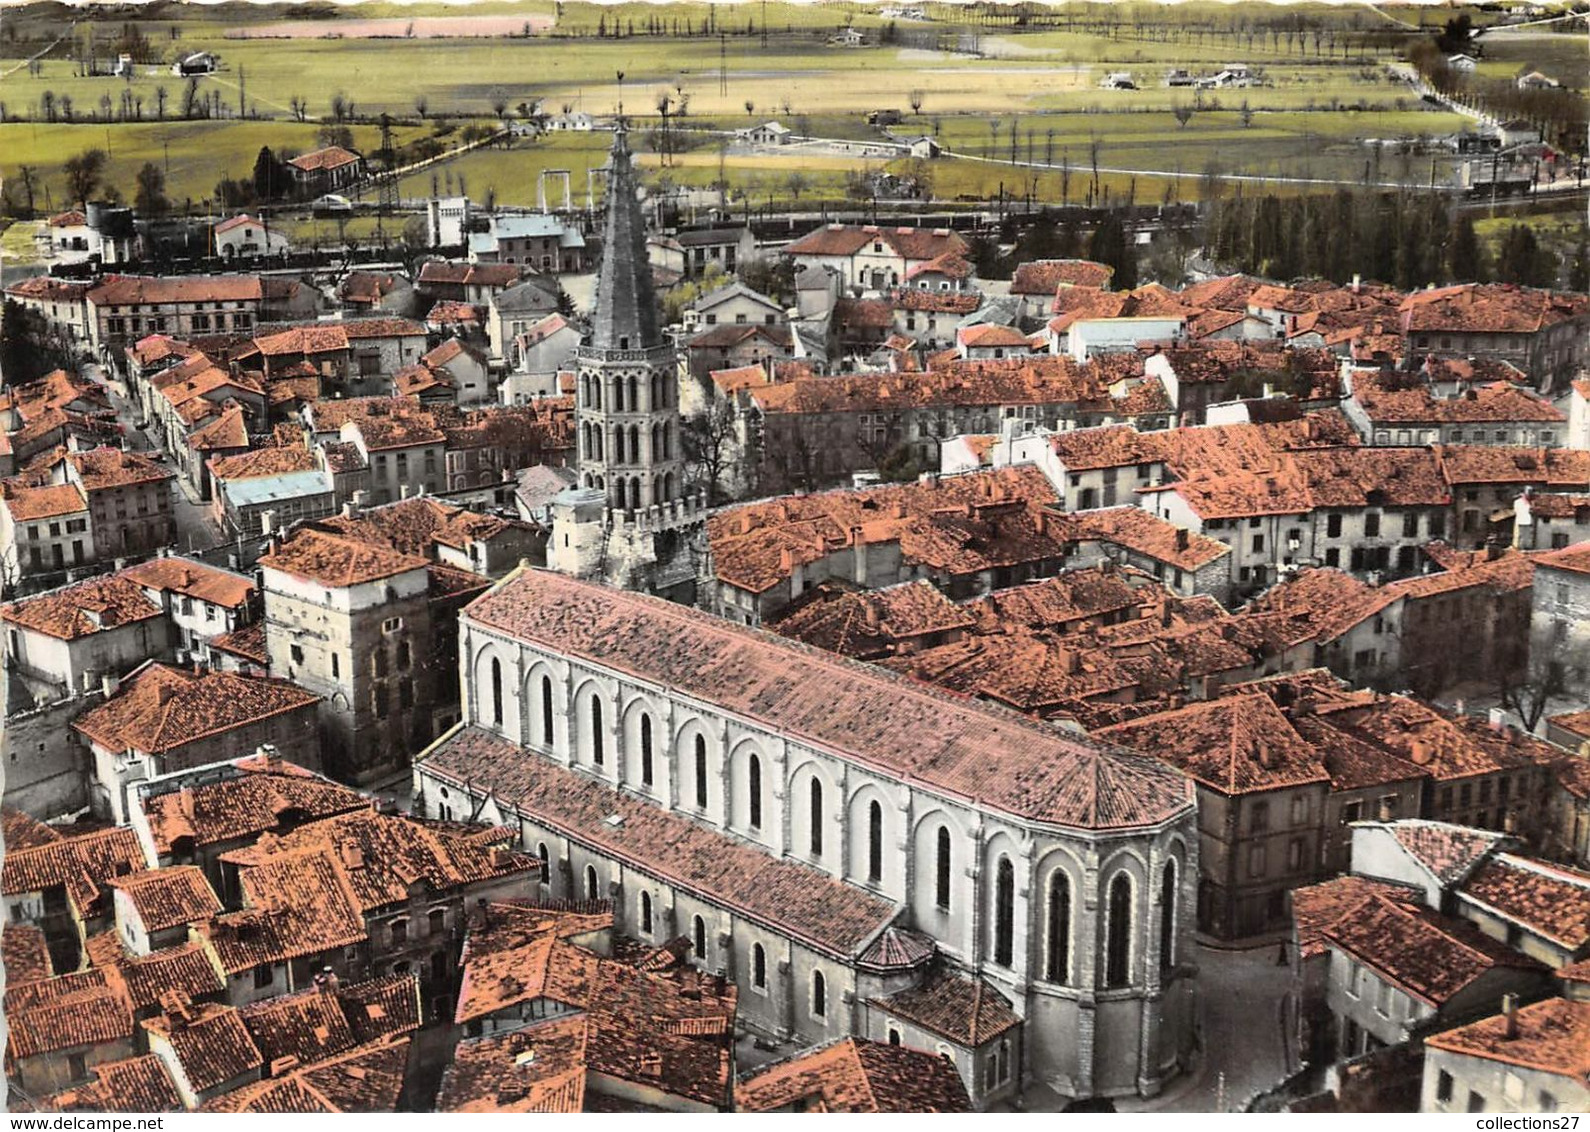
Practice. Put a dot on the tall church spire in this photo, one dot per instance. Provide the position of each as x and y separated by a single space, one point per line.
625 317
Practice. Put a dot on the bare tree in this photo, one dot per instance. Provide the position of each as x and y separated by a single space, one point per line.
711 446
1183 113
421 105
916 98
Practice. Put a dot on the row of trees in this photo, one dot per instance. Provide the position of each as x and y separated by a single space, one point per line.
1408 240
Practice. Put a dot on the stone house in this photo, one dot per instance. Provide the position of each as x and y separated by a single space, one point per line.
1521 1060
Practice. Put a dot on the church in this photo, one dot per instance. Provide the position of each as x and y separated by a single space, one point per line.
631 519
862 854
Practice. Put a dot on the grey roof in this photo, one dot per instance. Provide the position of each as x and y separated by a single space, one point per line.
533 294
540 485
270 489
694 237
527 227
626 314
733 290
814 278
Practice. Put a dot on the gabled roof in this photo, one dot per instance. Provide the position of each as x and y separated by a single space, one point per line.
1003 761
162 708
192 578
1430 956
1319 908
1551 900
366 1079
169 897
337 560
138 1084
1551 1037
332 157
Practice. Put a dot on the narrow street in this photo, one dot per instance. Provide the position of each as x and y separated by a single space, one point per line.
195 529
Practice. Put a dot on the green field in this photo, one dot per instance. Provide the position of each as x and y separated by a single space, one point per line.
1323 97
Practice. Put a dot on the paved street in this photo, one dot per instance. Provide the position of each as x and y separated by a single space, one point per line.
1243 996
195 529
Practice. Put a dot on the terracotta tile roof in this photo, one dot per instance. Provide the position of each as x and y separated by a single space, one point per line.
28 502
262 797
897 949
1556 505
1495 464
1028 380
1552 900
1043 276
1147 534
272 461
135 290
380 433
247 642
337 560
415 526
991 334
187 968
1075 595
277 924
451 311
833 916
855 1075
83 864
1366 477
370 286
366 1079
379 857
965 1010
1237 745
162 708
66 1012
940 302
1447 747
332 157
847 240
1002 761
469 274
328 1020
210 1043
1575 559
1430 956
229 430
871 622
1036 673
168 897
1319 908
23 831
960 525
1449 852
1490 308
102 468
1498 401
1551 1037
1228 292
192 578
950 264
536 1068
740 377
25 953
138 1084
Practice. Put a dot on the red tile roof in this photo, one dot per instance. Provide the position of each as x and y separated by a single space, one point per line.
1429 956
86 1008
263 797
210 1043
1319 908
247 643
273 461
1044 276
320 160
337 560
1137 530
830 915
162 708
82 864
138 1084
871 622
847 240
1552 900
192 578
1489 308
168 897
540 1067
1449 852
25 953
137 290
1498 401
1551 1036
855 1075
28 502
964 1009
979 753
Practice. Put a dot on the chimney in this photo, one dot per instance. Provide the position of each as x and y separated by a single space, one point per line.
1384 812
281 1066
1510 1016
1070 662
1164 615
1181 538
108 684
1498 720
869 616
1421 754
